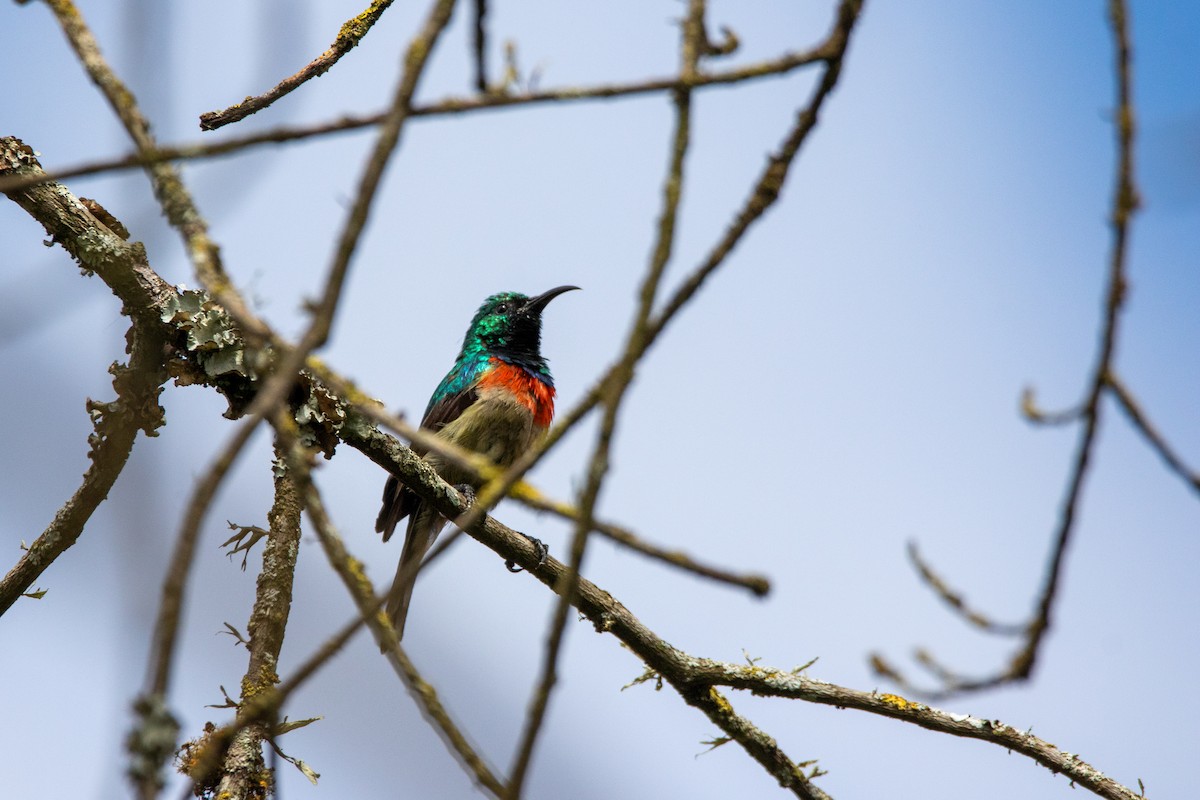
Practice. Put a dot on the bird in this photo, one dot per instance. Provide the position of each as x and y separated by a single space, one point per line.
497 400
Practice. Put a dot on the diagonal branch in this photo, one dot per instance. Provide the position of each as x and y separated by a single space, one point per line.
694 678
1138 417
349 569
176 202
350 34
94 245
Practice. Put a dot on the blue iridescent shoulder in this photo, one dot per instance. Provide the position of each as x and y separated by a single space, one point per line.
465 374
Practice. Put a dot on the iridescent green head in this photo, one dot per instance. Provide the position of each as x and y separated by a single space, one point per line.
509 325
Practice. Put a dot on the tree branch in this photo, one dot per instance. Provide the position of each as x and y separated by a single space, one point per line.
77 225
1138 417
782 65
1124 205
243 766
348 37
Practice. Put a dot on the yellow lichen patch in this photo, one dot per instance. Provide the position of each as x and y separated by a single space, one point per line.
721 702
265 680
360 576
896 701
524 490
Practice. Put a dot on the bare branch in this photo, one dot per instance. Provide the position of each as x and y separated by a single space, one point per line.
693 39
760 585
955 600
349 569
768 682
479 43
779 66
175 200
97 249
1138 417
1124 205
350 34
243 763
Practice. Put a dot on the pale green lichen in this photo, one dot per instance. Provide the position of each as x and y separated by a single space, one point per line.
211 334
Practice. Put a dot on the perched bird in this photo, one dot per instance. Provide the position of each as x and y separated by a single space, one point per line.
497 400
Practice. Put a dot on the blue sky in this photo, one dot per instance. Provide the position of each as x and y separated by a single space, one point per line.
848 382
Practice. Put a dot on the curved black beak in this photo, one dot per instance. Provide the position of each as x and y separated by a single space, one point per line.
534 305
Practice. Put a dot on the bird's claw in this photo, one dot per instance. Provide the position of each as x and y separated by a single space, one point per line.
467 491
539 548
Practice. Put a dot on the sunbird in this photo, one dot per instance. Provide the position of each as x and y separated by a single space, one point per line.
497 400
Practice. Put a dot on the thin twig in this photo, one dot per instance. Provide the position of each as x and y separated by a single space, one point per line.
201 150
955 599
760 585
769 682
1124 205
350 34
1138 417
1031 412
170 608
479 43
360 588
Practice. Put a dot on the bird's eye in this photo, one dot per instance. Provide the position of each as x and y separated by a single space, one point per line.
503 308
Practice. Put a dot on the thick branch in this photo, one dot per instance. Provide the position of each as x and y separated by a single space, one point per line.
693 677
243 766
94 245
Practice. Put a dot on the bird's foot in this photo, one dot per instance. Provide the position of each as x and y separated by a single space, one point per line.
539 547
467 491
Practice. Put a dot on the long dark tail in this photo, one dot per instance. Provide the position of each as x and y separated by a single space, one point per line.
423 528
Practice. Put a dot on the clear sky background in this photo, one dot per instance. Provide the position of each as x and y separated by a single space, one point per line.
848 382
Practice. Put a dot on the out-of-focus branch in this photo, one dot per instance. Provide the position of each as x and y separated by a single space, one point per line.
693 39
350 570
270 395
760 585
955 600
779 66
1157 441
175 200
762 196
350 34
1124 205
90 235
479 45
